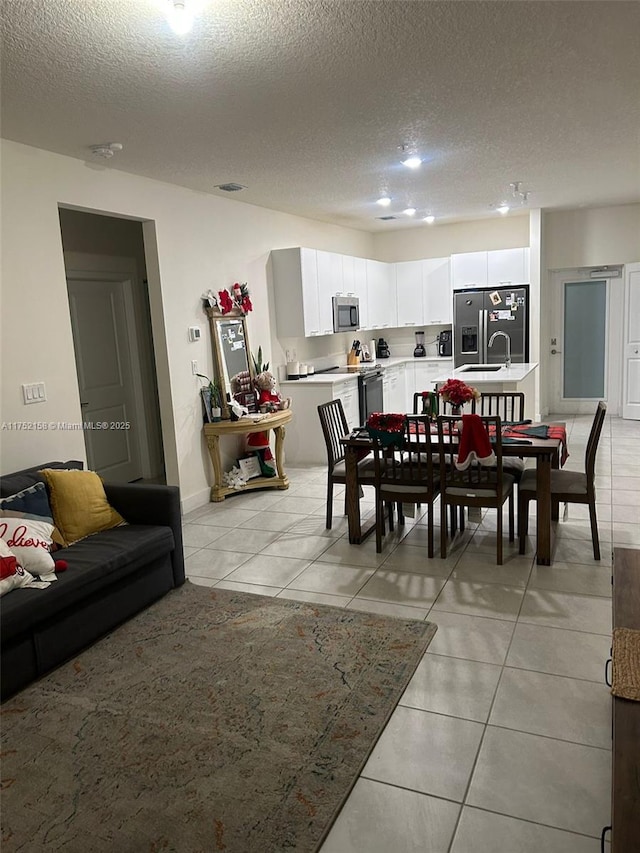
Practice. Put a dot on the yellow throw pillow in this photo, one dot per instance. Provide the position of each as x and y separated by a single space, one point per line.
79 503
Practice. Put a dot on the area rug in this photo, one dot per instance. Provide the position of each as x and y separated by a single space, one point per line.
213 721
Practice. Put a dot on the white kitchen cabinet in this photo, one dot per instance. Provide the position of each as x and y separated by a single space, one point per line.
438 295
507 266
354 272
410 293
330 282
394 388
295 280
381 295
304 442
469 269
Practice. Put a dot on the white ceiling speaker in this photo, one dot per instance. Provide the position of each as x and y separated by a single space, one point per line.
106 150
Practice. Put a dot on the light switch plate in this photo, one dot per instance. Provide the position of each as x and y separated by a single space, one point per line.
34 392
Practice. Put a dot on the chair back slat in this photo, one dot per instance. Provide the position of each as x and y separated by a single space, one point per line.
412 466
334 427
509 405
592 442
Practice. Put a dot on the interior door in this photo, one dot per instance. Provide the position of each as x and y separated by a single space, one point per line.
579 344
631 344
103 362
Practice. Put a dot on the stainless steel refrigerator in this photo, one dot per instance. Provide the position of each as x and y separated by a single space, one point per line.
477 314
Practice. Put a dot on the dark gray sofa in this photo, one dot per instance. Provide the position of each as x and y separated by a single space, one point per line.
111 576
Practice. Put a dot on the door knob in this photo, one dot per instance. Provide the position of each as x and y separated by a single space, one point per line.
556 351
83 404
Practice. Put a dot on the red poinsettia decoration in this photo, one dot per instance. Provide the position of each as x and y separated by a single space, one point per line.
225 302
387 422
241 297
457 392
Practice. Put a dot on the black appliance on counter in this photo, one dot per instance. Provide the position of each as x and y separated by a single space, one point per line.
419 351
445 344
382 349
370 389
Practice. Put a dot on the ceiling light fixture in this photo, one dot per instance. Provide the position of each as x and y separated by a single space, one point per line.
384 201
409 211
180 16
503 209
106 150
410 157
521 196
430 219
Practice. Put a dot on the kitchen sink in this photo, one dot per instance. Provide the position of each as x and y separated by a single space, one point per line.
479 368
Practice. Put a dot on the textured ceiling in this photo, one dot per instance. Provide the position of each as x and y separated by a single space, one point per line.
307 101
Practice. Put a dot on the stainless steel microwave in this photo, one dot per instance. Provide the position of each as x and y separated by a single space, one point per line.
346 313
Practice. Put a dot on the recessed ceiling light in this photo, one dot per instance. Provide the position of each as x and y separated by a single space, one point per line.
412 162
409 211
430 219
504 208
180 16
385 201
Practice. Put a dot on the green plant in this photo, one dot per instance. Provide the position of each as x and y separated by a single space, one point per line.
214 390
258 366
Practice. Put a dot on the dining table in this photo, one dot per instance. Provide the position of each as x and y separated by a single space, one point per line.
548 453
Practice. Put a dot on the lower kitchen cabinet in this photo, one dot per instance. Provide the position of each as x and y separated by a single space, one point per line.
304 443
394 388
420 375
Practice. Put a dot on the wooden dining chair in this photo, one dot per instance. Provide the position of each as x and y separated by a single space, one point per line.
477 486
333 422
407 474
567 486
508 404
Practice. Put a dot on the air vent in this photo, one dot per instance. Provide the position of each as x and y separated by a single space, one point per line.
386 218
230 188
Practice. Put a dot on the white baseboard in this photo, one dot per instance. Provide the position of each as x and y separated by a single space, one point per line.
200 498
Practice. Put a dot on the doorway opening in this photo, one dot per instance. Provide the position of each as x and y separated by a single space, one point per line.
110 315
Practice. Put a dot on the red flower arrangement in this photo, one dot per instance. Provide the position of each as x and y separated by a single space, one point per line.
457 392
237 297
388 428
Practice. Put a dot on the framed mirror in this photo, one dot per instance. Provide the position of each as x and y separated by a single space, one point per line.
232 358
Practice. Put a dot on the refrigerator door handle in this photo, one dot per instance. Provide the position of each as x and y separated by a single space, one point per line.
483 336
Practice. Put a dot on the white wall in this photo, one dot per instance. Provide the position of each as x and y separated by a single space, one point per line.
592 237
439 241
203 241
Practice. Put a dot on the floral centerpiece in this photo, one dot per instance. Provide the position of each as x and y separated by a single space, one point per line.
457 392
388 428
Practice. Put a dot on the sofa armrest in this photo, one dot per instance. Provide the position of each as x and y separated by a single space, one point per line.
140 503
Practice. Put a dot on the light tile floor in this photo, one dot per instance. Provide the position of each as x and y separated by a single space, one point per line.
502 740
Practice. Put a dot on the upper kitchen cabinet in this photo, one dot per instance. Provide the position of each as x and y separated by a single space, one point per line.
469 270
354 272
304 284
507 266
490 269
381 295
410 293
330 283
438 302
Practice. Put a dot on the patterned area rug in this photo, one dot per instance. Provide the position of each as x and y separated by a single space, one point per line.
214 721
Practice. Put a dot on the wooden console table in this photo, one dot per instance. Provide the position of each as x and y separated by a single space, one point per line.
276 422
625 805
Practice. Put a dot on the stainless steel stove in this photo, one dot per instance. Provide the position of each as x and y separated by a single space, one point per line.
370 391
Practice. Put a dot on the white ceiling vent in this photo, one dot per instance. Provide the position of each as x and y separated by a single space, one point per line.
386 218
230 188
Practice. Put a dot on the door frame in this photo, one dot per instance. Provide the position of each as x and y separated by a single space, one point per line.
613 343
93 267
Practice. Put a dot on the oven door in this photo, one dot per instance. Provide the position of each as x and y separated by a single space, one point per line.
371 396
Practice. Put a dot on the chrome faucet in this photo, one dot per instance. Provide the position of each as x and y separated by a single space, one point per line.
507 361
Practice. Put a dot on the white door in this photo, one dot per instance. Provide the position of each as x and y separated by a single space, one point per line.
101 343
631 344
579 343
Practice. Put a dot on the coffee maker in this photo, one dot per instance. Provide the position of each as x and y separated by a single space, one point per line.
445 344
382 349
419 351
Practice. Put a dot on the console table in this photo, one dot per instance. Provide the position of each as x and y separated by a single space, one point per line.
214 431
625 806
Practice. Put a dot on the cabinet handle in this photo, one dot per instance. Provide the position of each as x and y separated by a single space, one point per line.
605 830
328 332
314 332
607 672
409 324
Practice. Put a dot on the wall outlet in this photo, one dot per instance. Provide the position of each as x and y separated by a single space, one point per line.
34 392
194 367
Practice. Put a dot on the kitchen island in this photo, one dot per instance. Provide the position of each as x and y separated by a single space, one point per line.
494 377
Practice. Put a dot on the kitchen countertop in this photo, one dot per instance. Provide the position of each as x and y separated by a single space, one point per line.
515 373
321 379
393 361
